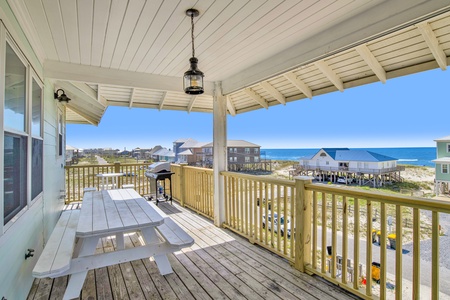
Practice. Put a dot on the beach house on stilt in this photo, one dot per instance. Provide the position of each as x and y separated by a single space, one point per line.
361 166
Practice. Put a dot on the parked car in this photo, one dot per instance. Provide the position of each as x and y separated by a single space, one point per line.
342 179
319 177
277 221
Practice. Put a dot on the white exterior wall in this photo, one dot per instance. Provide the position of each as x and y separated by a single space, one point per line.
36 221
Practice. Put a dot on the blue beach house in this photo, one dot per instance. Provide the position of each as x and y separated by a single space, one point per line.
442 165
364 166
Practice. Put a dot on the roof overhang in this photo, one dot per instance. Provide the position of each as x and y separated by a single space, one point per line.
108 53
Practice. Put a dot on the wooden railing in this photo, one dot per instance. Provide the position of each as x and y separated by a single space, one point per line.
336 232
79 177
194 188
254 205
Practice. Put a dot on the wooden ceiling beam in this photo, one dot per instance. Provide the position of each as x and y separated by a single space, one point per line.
372 62
191 103
432 42
330 74
163 98
133 91
257 98
273 91
303 87
230 106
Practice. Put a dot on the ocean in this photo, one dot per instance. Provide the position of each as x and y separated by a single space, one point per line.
419 156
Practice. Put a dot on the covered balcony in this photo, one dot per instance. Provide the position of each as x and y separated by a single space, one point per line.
367 243
68 61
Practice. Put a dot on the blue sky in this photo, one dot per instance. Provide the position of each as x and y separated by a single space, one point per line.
409 111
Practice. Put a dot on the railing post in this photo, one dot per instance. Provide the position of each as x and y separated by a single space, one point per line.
182 181
117 170
302 229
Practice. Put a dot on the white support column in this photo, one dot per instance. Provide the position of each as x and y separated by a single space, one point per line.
219 152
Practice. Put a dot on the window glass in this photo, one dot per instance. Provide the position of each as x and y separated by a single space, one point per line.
60 135
36 101
256 150
247 159
36 167
445 169
15 175
448 147
247 150
256 159
15 74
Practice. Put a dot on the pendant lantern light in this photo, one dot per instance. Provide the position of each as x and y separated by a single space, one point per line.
193 78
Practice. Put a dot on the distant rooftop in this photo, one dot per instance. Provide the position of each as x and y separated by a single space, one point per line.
345 154
235 143
443 139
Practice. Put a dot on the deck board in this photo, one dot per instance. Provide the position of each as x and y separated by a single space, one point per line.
220 265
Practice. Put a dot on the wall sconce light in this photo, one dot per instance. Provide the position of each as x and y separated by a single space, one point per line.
193 78
63 97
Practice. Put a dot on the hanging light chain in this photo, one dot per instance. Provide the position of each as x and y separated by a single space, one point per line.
192 35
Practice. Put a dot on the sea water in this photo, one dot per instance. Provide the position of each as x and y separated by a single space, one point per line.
419 156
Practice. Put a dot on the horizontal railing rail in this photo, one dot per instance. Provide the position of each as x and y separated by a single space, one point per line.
352 170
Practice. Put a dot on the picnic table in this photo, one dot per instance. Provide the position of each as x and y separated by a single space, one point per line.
108 213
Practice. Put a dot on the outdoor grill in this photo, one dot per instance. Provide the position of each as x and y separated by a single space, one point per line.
158 173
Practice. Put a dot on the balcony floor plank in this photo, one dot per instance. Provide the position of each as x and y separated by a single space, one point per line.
220 265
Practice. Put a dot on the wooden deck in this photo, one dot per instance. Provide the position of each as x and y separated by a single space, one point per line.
220 265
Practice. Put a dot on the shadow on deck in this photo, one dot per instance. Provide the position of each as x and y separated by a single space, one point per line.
220 265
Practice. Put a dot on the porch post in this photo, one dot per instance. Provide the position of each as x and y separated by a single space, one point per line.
219 152
302 229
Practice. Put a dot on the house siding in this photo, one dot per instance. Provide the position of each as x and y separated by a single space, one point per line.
441 150
34 224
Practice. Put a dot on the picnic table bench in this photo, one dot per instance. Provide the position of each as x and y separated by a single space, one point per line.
70 249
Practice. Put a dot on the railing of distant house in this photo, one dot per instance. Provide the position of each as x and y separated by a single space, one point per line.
79 177
250 200
194 188
353 170
358 217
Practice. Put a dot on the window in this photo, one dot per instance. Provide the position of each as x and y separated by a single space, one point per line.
15 175
448 147
247 159
235 159
231 150
327 163
444 168
247 150
14 113
255 150
60 134
230 159
235 150
37 145
256 158
22 135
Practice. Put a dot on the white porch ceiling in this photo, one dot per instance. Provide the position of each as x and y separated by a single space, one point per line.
134 53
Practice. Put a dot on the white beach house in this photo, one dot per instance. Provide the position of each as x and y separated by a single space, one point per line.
336 162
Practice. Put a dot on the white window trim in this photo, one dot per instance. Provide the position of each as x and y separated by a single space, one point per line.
29 76
442 169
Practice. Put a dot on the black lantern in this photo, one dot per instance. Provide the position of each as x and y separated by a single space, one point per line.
63 97
193 78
